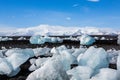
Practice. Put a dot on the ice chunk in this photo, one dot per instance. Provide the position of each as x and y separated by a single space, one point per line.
118 40
37 39
112 56
80 73
40 61
86 40
96 38
1 54
102 38
32 67
41 40
41 51
47 39
107 74
54 40
5 39
54 51
60 48
14 60
14 72
79 57
11 51
51 70
59 40
10 38
5 67
0 38
20 38
19 57
67 59
78 51
95 58
32 61
118 62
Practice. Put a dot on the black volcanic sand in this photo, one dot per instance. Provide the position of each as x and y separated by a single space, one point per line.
22 75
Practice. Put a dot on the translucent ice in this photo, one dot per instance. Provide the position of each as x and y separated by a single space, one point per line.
13 61
80 73
78 51
118 62
67 59
41 40
95 58
118 41
86 40
5 67
107 74
41 51
51 70
37 39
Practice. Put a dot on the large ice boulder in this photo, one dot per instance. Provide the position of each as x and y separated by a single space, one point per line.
13 61
95 58
5 67
118 62
51 70
80 73
86 40
37 39
17 59
107 74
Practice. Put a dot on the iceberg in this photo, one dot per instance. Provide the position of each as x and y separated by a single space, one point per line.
86 40
95 58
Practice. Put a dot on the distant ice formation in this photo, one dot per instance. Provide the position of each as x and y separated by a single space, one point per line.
59 30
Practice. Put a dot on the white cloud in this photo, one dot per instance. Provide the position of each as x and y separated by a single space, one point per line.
75 5
93 0
68 18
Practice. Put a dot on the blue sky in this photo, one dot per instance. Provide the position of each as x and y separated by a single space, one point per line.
25 13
